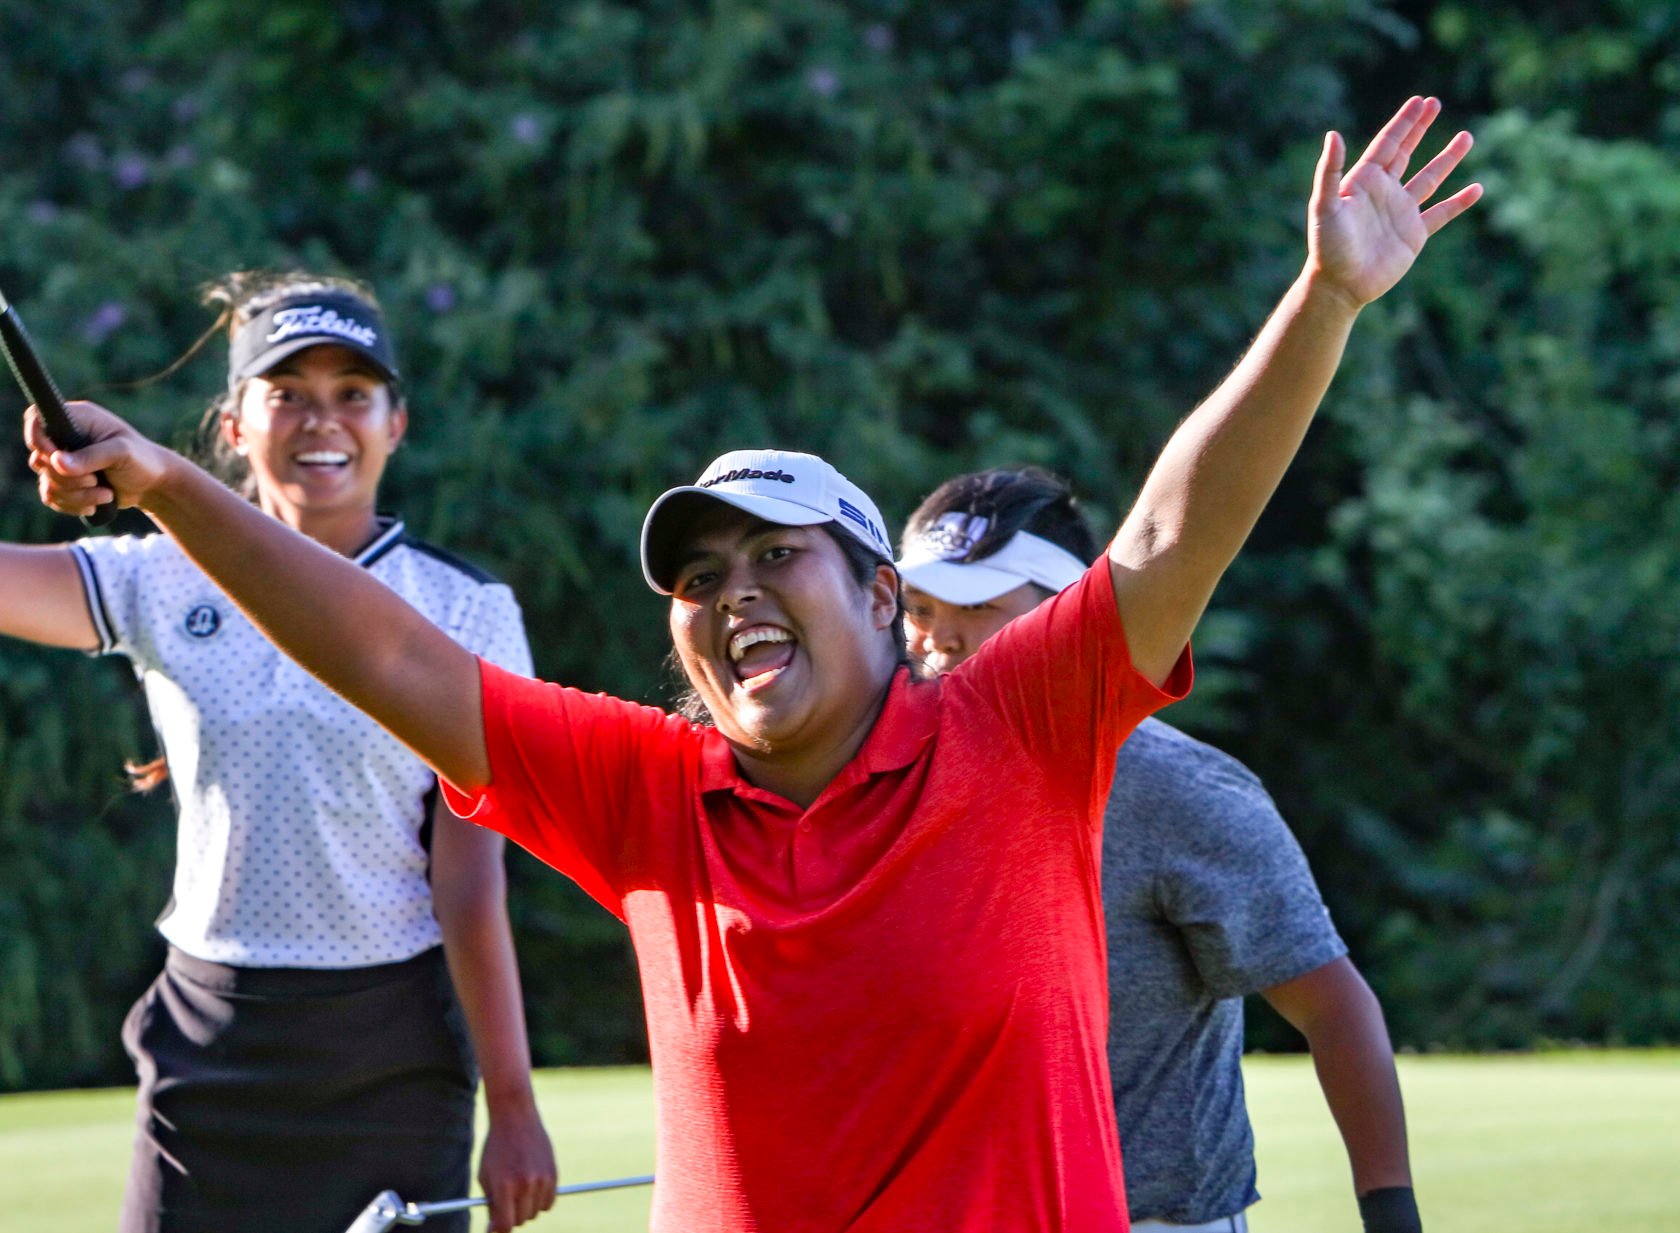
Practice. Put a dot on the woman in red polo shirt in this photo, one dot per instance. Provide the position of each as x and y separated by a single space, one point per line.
865 908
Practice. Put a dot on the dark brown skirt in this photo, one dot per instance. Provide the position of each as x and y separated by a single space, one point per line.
285 1099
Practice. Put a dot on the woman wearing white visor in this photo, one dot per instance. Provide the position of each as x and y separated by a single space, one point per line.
865 909
983 550
1206 897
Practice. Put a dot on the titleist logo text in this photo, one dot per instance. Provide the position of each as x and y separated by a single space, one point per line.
316 319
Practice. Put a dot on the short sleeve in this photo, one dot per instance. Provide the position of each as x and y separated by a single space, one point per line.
570 773
1061 681
113 570
1232 878
496 630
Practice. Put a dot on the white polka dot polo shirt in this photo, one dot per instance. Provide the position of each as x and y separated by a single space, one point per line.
299 841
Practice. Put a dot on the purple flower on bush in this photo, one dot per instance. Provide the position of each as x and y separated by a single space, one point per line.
526 128
440 297
104 321
181 156
186 108
824 82
130 171
362 181
136 80
42 211
879 38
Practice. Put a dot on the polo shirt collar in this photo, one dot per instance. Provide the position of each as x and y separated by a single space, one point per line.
388 536
905 725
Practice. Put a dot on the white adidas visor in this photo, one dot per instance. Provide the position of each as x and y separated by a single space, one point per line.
779 486
935 562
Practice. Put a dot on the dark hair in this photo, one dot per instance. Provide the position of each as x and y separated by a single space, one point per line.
862 560
245 294
1011 500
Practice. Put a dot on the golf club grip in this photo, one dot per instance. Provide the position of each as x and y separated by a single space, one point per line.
38 386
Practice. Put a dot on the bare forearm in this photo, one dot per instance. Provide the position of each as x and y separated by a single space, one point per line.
1336 1011
1221 466
469 892
1355 1064
359 637
1219 469
479 945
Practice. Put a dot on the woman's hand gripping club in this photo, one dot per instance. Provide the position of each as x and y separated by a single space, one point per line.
116 467
41 390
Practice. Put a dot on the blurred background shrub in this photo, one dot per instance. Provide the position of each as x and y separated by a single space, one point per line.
615 239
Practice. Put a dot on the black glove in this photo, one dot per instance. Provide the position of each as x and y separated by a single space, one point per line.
1393 1209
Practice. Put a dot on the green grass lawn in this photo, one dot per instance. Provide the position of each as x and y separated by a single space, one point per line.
1544 1144
66 1153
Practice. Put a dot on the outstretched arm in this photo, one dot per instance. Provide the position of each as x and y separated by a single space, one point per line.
334 618
1336 1011
41 597
1220 468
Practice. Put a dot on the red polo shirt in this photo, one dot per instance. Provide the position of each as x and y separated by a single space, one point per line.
887 1011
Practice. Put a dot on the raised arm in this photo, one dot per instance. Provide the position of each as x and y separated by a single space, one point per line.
334 618
41 597
1220 468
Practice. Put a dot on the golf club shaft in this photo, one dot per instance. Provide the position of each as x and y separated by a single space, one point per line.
445 1206
39 387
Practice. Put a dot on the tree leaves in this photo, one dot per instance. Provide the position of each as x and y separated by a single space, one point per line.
615 239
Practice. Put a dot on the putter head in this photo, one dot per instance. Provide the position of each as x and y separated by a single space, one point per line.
379 1216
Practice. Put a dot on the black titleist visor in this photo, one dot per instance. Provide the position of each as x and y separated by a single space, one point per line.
301 321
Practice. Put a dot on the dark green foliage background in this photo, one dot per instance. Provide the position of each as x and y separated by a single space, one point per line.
617 238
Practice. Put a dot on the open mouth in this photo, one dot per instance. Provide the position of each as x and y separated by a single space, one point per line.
322 460
759 654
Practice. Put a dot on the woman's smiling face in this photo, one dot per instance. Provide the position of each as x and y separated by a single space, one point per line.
317 430
790 654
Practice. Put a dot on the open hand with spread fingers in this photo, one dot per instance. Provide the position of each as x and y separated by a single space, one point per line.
1365 228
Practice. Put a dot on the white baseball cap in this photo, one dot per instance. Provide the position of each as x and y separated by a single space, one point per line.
789 489
936 562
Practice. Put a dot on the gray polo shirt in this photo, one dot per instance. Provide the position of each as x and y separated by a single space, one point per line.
1208 898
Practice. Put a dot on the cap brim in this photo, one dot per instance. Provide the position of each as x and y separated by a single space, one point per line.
662 528
264 361
956 583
